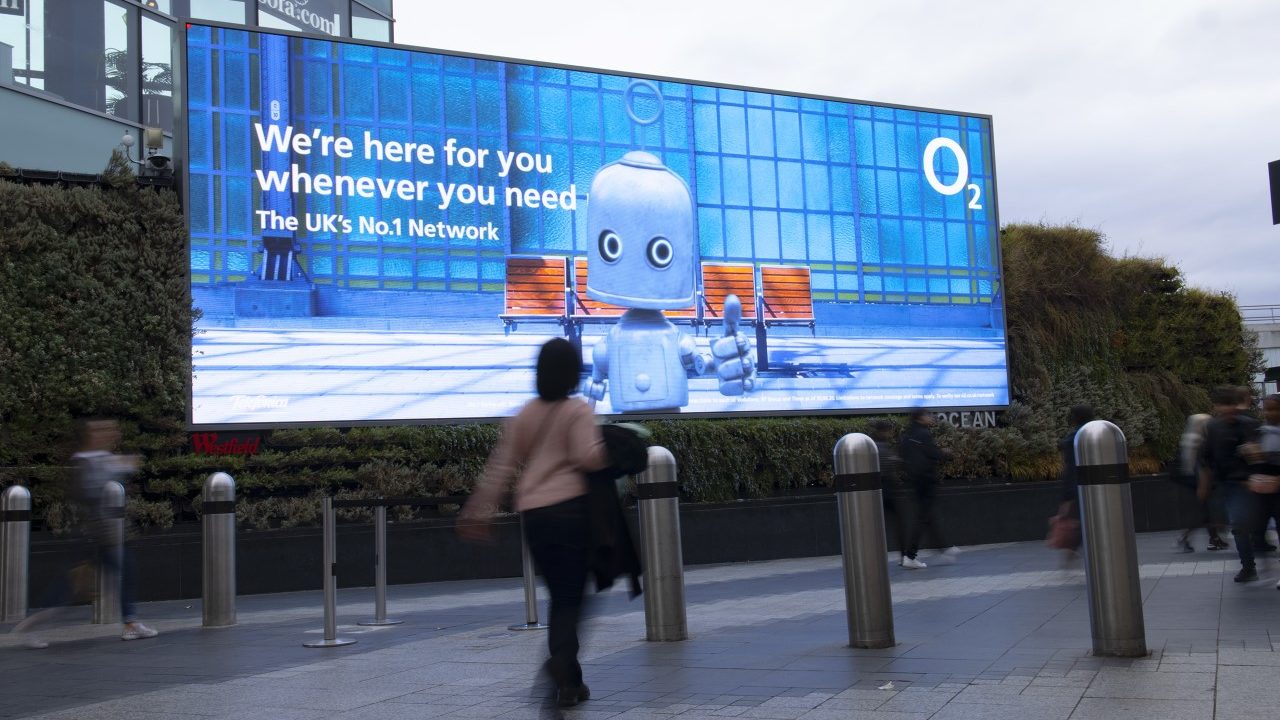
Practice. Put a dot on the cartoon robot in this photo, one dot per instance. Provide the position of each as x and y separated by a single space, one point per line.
642 255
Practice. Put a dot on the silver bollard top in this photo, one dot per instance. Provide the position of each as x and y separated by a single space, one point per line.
1101 443
113 494
219 487
15 497
856 454
662 466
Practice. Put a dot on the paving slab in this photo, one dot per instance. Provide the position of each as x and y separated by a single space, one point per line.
1003 633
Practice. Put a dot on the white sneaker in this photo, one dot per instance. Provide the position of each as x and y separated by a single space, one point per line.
32 642
948 556
912 564
137 631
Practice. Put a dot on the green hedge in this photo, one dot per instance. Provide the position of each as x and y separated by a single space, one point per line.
93 321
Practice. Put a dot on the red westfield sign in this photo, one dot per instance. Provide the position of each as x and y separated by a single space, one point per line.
210 443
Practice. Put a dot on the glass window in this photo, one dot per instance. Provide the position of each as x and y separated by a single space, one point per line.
119 61
382 6
157 74
25 34
229 11
366 25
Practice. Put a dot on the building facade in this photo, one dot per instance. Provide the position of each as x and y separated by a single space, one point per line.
76 75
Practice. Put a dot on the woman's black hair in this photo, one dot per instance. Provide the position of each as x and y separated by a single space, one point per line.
559 367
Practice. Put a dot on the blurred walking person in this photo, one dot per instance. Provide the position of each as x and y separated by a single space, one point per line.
95 466
1065 534
1191 474
891 479
921 461
1264 467
556 440
1225 434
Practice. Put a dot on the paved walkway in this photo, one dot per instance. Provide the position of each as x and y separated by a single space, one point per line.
1004 633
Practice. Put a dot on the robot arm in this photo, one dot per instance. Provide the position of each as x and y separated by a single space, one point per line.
733 362
594 388
691 358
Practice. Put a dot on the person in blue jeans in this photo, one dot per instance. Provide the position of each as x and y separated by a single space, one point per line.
1264 468
1225 434
96 465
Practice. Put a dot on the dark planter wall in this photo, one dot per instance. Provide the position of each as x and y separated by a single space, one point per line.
168 563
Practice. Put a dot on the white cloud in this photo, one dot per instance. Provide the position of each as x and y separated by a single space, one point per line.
1150 120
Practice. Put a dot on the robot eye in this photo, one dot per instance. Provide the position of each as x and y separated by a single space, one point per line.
660 253
610 246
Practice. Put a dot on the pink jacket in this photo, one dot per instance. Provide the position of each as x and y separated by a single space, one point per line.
569 444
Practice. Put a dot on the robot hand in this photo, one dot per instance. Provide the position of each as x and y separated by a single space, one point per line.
593 390
733 362
594 387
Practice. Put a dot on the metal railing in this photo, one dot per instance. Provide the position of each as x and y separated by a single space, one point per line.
1260 313
380 505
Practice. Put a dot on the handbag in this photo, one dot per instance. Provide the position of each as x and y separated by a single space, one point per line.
1064 530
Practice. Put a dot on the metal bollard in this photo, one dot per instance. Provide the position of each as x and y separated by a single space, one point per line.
379 571
331 638
15 552
530 588
659 500
867 598
106 602
218 523
1110 551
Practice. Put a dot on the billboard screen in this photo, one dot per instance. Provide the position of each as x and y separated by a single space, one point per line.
384 234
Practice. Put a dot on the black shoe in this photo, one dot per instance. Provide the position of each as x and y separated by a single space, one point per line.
568 697
1218 544
1246 575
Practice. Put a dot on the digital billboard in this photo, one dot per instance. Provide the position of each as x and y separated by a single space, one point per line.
387 234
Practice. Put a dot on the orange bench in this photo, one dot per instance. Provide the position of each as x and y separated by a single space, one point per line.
536 291
786 297
720 280
586 309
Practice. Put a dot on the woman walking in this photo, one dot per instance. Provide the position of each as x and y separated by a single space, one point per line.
556 440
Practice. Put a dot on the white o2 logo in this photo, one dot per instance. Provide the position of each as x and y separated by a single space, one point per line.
962 175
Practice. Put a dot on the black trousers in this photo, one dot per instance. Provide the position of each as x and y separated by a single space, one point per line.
926 516
557 536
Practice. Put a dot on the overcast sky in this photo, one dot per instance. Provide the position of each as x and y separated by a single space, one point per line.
1151 121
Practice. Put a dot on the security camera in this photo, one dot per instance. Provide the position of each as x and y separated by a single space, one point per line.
158 162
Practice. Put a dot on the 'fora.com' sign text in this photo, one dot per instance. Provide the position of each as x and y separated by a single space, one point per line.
312 15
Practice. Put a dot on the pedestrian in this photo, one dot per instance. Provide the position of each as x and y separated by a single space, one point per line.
921 461
556 439
891 480
1264 467
1192 475
95 466
1067 523
1225 433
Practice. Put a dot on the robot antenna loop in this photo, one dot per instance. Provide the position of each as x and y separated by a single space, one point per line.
629 101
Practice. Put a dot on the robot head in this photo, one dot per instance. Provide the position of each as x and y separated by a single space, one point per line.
640 244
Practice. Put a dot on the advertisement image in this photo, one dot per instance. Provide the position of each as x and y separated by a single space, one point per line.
382 234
